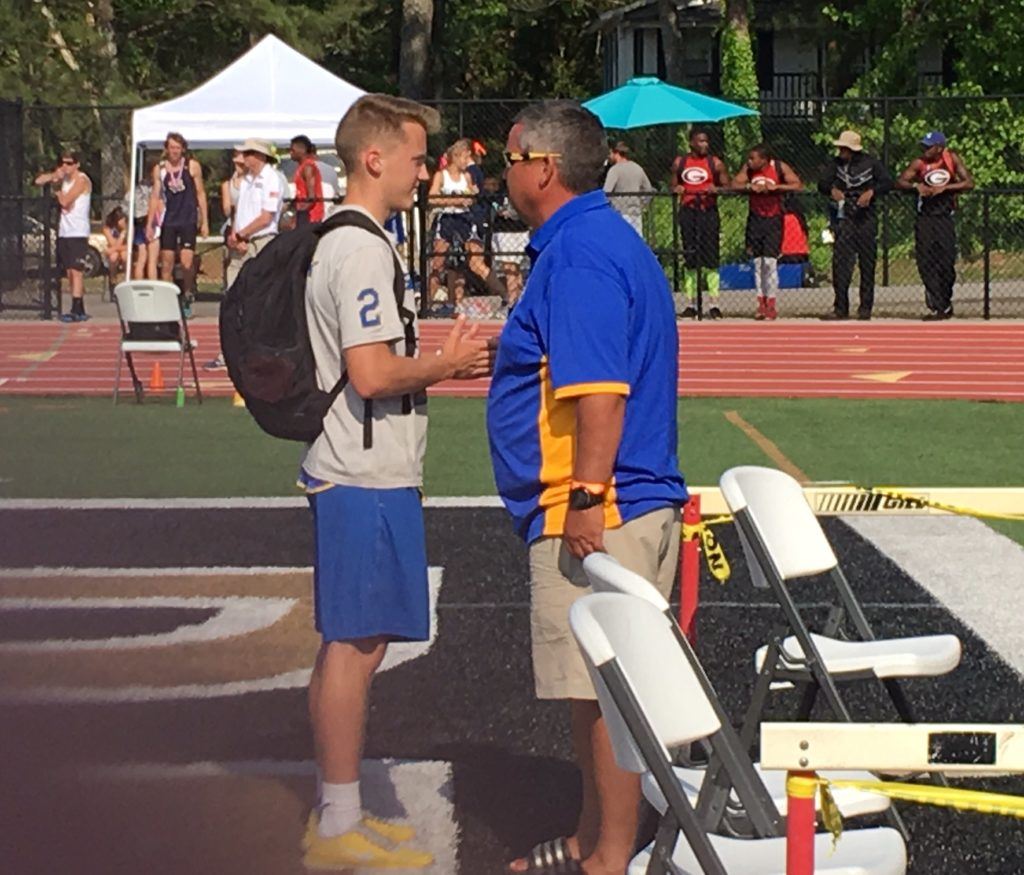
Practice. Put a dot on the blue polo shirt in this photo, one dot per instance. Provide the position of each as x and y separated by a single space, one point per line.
596 317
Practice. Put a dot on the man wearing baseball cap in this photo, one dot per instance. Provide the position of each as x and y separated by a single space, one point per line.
259 205
854 181
936 176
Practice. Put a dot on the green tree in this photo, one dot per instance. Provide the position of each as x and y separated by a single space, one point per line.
739 78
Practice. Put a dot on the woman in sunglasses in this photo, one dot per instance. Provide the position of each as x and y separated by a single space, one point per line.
74 194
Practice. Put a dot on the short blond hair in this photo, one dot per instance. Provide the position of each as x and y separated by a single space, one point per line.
376 116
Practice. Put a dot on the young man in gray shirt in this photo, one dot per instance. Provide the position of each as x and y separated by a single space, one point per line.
626 177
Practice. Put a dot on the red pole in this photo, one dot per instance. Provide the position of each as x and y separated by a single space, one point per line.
689 568
801 788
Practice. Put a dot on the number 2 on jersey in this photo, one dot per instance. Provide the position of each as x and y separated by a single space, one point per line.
368 315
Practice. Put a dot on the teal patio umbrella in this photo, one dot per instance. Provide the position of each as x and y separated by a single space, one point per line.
649 101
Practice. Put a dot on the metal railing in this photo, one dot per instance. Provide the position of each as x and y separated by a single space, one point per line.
456 252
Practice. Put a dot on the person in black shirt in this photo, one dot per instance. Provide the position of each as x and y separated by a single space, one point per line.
936 177
854 181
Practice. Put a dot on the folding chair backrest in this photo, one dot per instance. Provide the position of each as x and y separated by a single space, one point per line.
144 301
775 506
620 630
606 574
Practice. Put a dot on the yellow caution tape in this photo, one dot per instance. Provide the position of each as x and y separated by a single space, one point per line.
980 801
714 554
894 492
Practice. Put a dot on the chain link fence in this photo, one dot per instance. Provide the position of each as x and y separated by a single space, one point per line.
989 222
29 281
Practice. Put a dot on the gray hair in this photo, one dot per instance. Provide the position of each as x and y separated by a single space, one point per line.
565 127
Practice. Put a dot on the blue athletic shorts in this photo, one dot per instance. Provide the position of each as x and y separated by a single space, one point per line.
370 570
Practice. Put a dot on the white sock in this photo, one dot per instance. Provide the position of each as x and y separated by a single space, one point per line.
771 277
341 808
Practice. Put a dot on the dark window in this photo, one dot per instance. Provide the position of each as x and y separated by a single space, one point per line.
764 59
638 52
662 69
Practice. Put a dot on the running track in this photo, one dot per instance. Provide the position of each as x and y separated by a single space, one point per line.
973 360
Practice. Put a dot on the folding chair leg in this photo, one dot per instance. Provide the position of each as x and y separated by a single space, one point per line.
195 373
664 843
117 374
136 382
807 700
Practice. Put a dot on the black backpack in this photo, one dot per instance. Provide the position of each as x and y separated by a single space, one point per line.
265 339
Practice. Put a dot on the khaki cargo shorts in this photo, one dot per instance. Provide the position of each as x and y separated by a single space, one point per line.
648 545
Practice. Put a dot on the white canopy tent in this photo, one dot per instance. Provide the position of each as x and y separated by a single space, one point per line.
272 92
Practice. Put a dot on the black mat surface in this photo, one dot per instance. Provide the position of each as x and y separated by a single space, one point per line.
469 700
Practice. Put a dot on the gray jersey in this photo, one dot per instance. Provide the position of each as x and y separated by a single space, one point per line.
627 177
350 302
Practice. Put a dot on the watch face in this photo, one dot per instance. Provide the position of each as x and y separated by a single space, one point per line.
580 499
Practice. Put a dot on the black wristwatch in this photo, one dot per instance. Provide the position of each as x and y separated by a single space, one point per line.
581 498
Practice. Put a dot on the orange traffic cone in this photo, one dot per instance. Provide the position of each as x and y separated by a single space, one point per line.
156 379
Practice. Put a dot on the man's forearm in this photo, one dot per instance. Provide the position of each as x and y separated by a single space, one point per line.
395 375
257 224
599 421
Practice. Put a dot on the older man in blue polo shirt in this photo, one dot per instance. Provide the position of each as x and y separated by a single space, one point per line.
582 426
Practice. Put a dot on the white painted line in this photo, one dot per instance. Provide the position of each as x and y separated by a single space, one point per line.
270 502
397 654
48 572
977 573
240 615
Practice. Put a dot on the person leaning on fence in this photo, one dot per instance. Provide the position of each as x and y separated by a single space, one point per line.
936 176
74 194
696 177
179 191
625 178
854 181
364 473
581 418
766 180
259 204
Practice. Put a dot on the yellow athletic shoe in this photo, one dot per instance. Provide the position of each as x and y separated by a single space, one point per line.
358 848
393 832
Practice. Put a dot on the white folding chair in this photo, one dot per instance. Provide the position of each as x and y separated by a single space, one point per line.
652 702
784 544
152 303
760 799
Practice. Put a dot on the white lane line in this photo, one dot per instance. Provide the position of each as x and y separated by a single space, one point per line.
235 616
271 502
975 572
397 654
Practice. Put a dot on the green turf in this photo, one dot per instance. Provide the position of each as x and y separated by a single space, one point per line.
84 447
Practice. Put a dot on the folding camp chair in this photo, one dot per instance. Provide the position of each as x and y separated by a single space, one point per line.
652 701
784 543
152 322
760 798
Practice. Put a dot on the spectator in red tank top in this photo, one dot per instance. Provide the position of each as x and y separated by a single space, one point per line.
766 180
696 178
936 176
309 186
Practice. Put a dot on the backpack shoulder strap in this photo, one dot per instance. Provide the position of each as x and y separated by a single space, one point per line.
357 219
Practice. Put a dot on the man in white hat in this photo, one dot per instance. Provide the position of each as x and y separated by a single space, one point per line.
259 205
854 181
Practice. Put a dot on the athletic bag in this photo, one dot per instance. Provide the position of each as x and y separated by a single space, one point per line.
265 339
